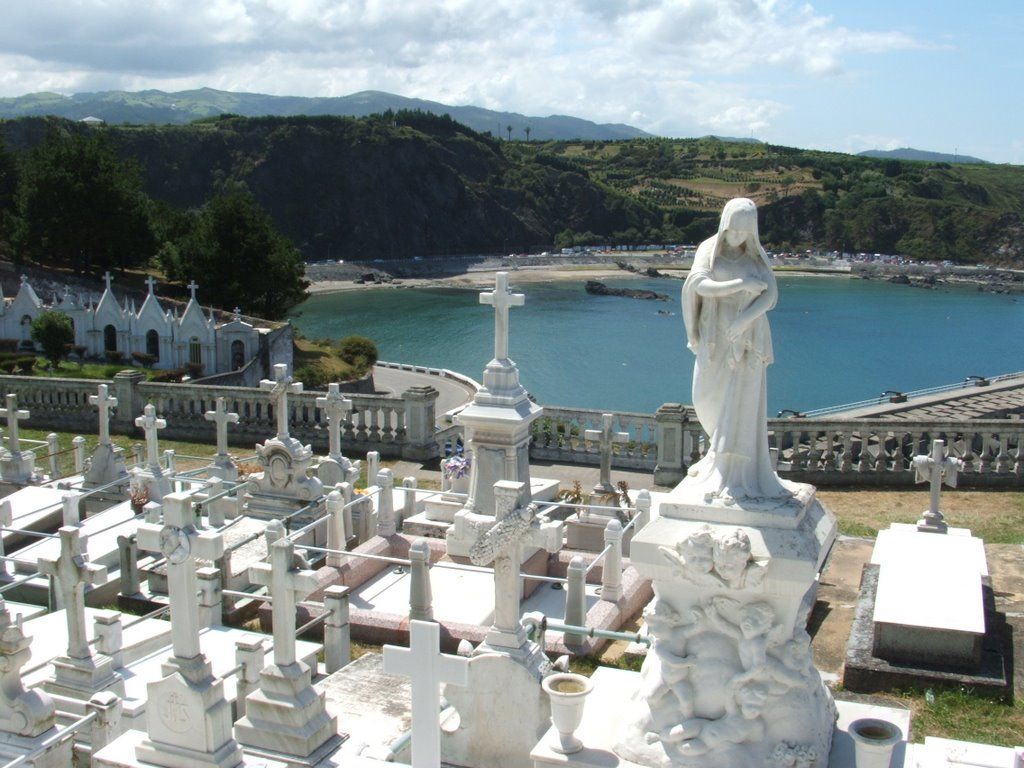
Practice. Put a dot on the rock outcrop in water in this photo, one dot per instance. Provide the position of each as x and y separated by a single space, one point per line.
600 289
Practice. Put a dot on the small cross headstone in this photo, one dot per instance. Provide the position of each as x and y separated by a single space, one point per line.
279 390
605 438
427 668
193 287
104 403
288 585
936 470
13 416
221 417
107 277
337 407
151 283
181 544
70 573
502 300
150 423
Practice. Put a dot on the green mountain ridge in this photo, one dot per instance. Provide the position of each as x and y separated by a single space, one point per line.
909 153
406 184
159 107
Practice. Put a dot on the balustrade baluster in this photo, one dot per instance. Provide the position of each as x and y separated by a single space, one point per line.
882 458
985 463
1003 462
846 457
1018 456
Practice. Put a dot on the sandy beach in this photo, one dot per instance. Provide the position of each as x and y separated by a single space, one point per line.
484 278
522 276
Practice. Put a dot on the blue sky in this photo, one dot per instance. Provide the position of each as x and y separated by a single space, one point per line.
846 76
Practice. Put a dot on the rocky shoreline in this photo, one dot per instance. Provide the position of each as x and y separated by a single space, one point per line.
597 288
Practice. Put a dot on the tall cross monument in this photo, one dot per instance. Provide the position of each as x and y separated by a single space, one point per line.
605 437
188 718
335 468
279 389
286 715
15 466
106 465
156 484
496 423
224 467
81 672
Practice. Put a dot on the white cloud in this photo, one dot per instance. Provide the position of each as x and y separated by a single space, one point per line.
669 65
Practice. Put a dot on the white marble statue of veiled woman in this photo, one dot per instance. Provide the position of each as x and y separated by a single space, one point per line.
725 302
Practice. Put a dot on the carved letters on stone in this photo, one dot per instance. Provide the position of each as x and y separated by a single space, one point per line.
716 560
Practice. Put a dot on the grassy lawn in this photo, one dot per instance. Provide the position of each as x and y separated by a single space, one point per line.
995 516
90 370
317 362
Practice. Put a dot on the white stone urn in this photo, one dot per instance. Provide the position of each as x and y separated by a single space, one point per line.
568 693
874 741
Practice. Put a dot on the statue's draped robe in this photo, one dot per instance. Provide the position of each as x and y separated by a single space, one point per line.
729 380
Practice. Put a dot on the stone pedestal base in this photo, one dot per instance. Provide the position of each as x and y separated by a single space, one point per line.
106 465
286 716
188 719
56 756
729 680
75 681
585 532
18 468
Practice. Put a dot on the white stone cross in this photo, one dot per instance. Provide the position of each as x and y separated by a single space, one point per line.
279 390
606 438
288 584
107 277
71 572
151 282
149 423
936 470
502 544
104 402
337 407
222 417
179 541
192 287
13 417
427 669
502 300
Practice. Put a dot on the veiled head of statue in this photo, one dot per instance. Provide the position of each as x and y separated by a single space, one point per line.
738 227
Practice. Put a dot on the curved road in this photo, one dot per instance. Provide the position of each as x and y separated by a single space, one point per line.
453 393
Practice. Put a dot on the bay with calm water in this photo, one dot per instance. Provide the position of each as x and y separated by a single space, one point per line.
837 340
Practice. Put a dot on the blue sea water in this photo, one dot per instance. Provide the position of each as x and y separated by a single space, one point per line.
837 340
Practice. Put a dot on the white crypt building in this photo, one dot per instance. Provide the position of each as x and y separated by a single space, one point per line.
174 339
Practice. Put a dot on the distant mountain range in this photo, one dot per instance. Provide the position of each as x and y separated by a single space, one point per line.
185 106
906 153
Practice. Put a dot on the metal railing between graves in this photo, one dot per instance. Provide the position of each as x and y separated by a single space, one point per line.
536 628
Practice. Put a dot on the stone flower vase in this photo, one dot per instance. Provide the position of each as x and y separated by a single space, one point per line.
874 741
568 693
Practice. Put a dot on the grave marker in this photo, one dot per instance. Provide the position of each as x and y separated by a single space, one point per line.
606 438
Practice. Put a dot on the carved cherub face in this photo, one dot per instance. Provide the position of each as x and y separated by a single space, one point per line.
731 554
696 550
756 619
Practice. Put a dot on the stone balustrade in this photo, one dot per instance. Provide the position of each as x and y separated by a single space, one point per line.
820 451
395 426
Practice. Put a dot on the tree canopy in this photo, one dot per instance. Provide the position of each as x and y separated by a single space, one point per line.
233 248
54 332
82 207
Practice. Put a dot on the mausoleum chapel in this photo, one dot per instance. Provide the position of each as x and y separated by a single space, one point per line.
172 338
352 579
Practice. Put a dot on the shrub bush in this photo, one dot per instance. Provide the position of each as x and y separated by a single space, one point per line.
194 370
144 359
9 345
172 376
53 331
114 355
358 351
26 365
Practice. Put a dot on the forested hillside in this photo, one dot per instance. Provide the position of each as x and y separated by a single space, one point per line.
409 183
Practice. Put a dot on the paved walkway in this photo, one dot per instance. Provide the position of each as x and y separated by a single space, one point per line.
454 393
999 400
